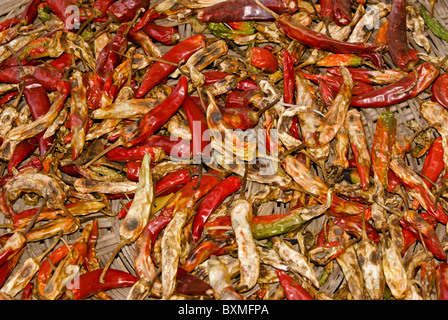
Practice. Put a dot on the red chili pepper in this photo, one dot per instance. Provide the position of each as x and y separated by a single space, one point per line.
39 104
23 150
109 57
34 163
342 12
211 201
88 284
63 62
47 77
400 91
247 84
102 5
239 118
288 78
8 23
317 40
240 99
439 90
173 146
126 10
166 35
326 92
293 290
244 10
326 10
27 292
8 97
7 268
335 82
123 154
189 284
218 245
353 225
94 90
434 164
159 70
133 170
422 230
199 129
262 59
156 117
62 9
30 12
442 281
371 76
214 76
396 36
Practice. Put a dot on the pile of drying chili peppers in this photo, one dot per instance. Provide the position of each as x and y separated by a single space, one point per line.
107 104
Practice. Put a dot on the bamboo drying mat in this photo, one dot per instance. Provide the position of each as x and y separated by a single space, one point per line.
109 226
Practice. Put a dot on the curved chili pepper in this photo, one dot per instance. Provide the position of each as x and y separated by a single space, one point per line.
166 35
244 10
399 91
381 35
39 103
263 59
189 284
293 290
211 201
371 76
62 9
156 117
424 231
172 146
247 84
397 38
439 90
30 12
159 70
218 245
102 5
239 118
23 150
89 284
27 293
326 10
126 10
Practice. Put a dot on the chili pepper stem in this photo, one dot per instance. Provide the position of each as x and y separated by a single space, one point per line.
36 215
116 144
71 216
120 245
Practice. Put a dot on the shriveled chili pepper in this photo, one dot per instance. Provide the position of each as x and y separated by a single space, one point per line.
263 59
167 35
12 246
434 163
396 37
326 10
214 76
442 281
400 91
211 201
335 83
244 10
8 23
439 90
293 290
102 5
437 29
317 40
288 78
371 76
89 284
381 35
126 10
342 12
30 12
7 268
159 70
424 231
241 99
353 226
94 90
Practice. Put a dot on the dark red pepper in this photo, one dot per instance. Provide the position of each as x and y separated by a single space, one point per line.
126 10
22 152
288 78
189 284
30 13
442 281
166 35
342 12
439 90
293 290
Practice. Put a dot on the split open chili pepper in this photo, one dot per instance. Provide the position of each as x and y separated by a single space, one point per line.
439 90
293 290
8 267
211 201
424 231
317 40
396 36
167 35
400 91
159 70
353 225
244 10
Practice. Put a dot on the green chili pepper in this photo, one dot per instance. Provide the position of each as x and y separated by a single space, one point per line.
433 25
220 30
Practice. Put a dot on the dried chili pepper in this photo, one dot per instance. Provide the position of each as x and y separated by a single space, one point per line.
342 12
442 282
335 83
157 72
126 10
371 76
437 29
23 150
439 90
166 35
293 290
263 59
400 91
211 201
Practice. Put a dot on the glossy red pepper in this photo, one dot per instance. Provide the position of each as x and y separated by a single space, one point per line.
263 59
126 10
63 10
214 76
326 10
22 152
102 5
159 70
166 35
156 117
396 37
370 76
88 284
442 281
293 290
439 90
399 91
247 84
239 118
199 130
39 104
211 201
8 267
244 10
173 146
